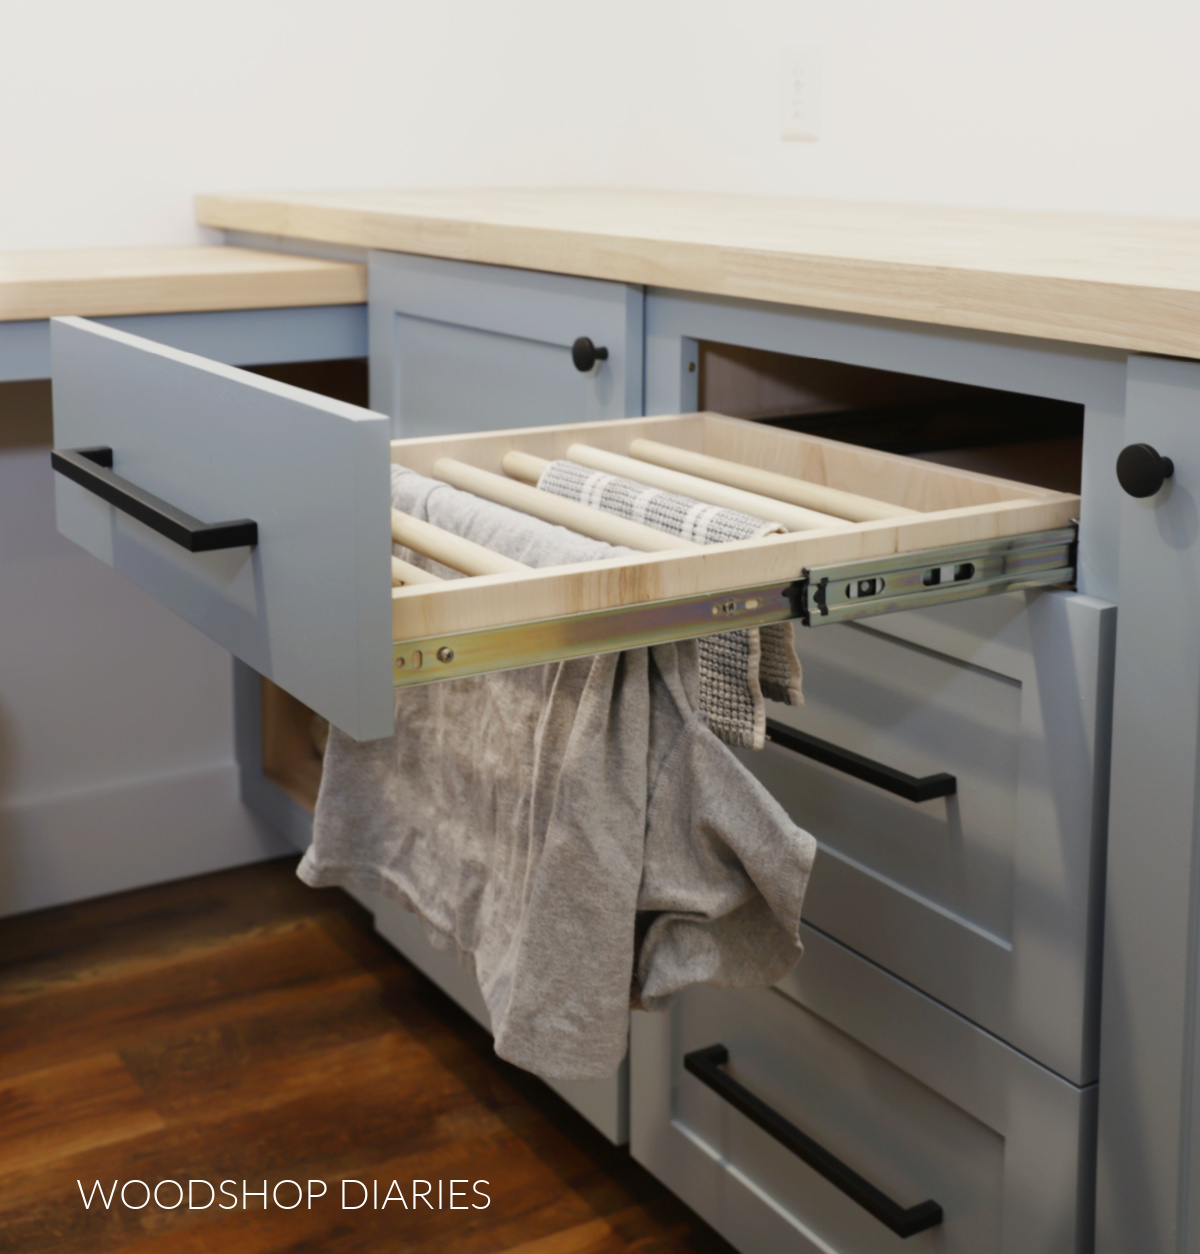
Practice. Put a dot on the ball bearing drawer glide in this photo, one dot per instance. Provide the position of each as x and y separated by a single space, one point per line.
820 596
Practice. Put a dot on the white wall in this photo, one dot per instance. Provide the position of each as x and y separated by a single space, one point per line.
115 113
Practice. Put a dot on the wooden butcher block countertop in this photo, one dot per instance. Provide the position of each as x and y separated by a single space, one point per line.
1125 283
108 282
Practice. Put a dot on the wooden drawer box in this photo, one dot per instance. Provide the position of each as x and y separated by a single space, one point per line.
309 604
986 898
905 1112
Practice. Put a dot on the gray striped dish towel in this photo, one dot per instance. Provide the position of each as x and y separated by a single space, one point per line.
737 668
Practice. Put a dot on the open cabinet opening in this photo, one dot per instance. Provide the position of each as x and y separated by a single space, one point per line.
293 745
1028 438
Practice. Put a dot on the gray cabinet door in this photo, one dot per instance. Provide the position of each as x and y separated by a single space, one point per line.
1149 1160
459 347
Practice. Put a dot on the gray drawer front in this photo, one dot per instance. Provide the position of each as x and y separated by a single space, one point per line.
457 347
921 1103
987 899
310 605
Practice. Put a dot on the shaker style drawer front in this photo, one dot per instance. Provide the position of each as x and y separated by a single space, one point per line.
983 894
304 604
846 1113
457 347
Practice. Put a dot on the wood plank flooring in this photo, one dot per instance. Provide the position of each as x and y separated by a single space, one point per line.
242 1027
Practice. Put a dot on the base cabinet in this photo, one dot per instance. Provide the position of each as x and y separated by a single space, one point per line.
913 1098
961 924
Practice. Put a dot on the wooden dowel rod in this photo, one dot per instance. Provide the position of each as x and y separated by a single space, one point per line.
793 517
529 469
556 509
451 550
406 573
848 505
524 466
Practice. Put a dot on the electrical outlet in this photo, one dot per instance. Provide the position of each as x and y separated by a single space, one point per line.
800 94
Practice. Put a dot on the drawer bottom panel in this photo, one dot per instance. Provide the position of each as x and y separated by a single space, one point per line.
916 1101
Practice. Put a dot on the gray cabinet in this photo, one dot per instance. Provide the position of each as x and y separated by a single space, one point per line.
989 900
458 347
941 1031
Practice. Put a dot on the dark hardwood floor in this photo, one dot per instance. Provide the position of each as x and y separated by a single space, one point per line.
243 1027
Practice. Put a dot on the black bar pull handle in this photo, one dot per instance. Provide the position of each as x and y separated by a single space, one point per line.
904 1221
910 787
92 468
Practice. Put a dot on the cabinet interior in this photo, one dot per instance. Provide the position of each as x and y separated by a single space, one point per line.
293 744
1008 434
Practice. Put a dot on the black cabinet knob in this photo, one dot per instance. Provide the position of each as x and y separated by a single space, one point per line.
585 354
1142 470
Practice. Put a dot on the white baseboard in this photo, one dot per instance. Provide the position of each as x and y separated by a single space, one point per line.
126 835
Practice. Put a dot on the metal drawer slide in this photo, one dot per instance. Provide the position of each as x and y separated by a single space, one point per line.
827 594
835 594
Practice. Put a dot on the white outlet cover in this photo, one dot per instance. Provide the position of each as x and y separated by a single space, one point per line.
800 94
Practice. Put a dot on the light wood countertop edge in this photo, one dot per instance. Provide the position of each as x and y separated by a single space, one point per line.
1132 316
127 281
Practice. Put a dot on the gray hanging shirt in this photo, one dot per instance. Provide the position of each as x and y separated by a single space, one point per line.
577 836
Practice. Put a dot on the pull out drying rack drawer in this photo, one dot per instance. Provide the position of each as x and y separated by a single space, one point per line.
179 444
